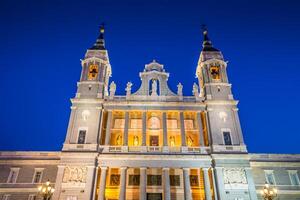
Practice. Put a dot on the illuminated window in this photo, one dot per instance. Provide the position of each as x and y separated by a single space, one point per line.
81 137
136 123
269 174
154 123
93 72
294 177
119 123
37 177
215 72
13 175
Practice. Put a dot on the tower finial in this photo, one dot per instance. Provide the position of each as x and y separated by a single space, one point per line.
100 44
207 44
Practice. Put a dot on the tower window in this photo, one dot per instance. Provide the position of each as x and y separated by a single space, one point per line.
227 138
81 137
93 72
215 72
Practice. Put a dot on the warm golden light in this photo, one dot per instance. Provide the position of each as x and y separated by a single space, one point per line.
135 140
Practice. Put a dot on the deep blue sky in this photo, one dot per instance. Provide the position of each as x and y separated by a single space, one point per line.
42 43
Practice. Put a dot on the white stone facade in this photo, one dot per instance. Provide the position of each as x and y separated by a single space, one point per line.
152 143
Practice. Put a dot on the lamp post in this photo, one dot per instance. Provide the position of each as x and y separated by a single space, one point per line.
46 191
268 193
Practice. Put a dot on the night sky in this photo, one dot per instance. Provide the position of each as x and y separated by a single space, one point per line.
42 43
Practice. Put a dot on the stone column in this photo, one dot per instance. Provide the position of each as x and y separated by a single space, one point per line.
125 135
187 186
144 129
122 195
108 127
220 182
214 183
165 133
166 181
200 127
207 184
143 183
182 129
251 185
101 193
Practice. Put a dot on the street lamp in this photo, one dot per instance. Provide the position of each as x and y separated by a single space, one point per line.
268 193
46 191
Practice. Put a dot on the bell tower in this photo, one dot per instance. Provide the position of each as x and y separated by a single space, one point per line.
222 112
86 110
211 72
96 71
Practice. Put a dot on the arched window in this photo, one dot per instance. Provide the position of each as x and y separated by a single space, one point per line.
215 72
154 123
93 72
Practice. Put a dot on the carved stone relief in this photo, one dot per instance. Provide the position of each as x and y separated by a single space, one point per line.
235 178
75 174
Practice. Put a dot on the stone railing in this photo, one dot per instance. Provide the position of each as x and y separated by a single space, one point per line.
154 149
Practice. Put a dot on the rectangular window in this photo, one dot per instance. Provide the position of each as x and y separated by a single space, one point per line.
227 138
13 175
119 123
32 197
172 124
136 123
194 180
270 177
114 180
189 124
37 177
175 180
134 180
81 136
294 177
154 180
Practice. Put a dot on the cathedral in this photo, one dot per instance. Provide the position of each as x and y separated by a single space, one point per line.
153 143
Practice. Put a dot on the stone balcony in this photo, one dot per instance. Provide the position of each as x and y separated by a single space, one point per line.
154 149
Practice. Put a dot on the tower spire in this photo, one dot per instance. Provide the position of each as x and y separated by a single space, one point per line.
207 44
100 43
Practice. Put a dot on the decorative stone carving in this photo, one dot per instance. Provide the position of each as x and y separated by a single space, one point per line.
154 88
75 174
112 89
234 176
179 89
128 89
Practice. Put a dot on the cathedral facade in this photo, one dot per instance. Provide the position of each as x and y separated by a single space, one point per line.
153 143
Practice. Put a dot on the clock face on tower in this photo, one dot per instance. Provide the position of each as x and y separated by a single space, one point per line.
93 72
